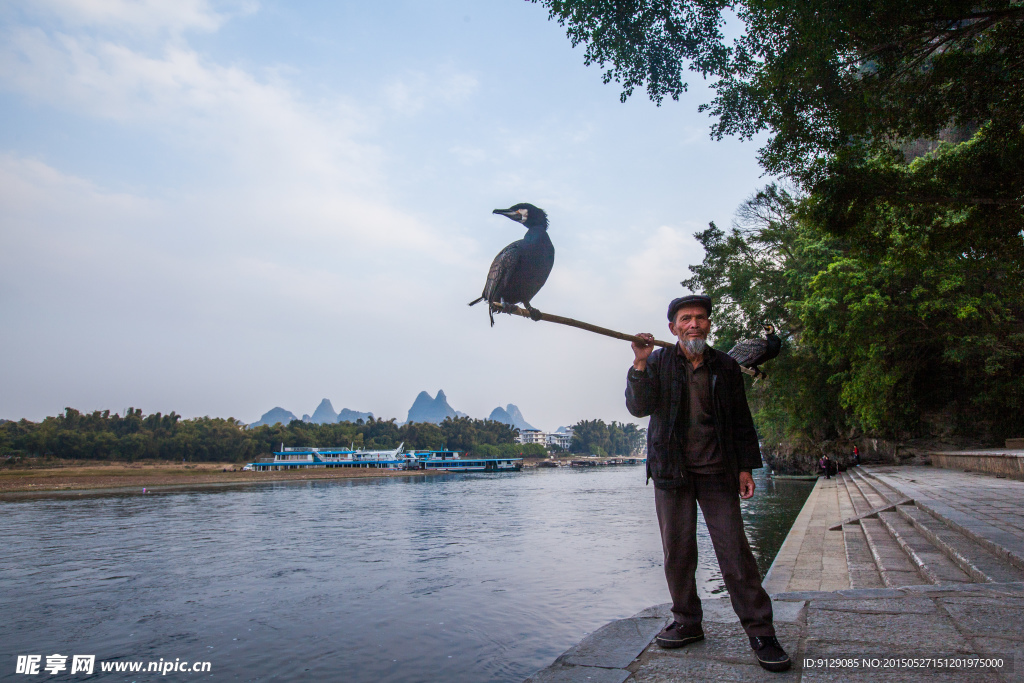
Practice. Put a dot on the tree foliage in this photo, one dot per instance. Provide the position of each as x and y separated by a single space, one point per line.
893 265
103 436
881 335
822 77
598 438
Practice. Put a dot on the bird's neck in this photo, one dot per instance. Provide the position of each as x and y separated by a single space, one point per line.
536 235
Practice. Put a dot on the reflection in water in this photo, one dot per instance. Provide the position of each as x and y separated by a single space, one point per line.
458 577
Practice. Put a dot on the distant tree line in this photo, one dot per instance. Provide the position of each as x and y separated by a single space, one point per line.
134 436
597 438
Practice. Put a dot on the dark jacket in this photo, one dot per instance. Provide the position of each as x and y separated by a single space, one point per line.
658 392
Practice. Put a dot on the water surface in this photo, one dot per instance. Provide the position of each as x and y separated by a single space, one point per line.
462 577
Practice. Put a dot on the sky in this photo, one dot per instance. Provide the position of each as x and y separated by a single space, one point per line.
216 208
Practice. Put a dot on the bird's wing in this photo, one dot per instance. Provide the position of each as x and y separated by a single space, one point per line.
502 269
748 351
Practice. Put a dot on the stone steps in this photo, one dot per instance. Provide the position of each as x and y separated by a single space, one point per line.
883 490
931 561
974 556
893 564
910 544
861 563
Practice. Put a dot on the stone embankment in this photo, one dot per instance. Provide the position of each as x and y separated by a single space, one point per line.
1008 462
888 574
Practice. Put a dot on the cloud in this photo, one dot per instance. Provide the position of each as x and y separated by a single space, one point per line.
147 16
65 238
660 264
257 124
418 90
468 156
301 232
296 166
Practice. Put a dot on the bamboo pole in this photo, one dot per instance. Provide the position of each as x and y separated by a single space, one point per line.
548 317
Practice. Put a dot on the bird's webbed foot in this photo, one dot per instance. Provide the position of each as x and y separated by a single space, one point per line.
534 313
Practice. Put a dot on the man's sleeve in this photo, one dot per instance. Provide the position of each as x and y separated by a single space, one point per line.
748 451
642 388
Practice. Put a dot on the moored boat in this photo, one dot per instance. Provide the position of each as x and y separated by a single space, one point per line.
451 461
298 458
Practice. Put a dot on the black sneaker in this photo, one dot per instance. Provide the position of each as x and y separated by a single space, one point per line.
676 635
770 654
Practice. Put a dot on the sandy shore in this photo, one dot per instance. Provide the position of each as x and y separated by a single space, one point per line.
159 474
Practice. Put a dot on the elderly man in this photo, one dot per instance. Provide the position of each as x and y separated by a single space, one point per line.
701 447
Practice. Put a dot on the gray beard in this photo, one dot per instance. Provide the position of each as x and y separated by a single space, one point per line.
695 347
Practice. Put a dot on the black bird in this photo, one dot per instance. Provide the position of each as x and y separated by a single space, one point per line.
750 353
522 268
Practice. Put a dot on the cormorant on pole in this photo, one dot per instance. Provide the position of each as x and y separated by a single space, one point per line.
750 353
520 269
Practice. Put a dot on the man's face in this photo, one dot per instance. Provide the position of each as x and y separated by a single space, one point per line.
691 323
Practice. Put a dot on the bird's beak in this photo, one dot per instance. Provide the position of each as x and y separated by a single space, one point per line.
509 213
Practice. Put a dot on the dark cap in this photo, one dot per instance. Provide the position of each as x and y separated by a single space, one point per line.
688 300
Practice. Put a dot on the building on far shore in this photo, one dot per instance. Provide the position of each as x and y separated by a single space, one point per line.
531 436
562 439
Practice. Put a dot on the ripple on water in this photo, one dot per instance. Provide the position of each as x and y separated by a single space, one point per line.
456 578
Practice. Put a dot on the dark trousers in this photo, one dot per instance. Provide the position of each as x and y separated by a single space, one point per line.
677 517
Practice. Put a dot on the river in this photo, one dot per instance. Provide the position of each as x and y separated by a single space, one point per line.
455 578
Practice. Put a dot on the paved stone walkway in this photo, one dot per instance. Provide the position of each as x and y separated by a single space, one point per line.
959 599
863 634
812 557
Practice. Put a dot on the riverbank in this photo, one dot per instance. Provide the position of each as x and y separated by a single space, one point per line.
889 573
156 475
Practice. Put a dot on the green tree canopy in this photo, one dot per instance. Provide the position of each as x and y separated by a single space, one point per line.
598 438
894 267
820 77
134 436
887 340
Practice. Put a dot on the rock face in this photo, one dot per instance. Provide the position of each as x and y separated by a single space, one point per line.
427 409
324 413
347 415
273 416
510 415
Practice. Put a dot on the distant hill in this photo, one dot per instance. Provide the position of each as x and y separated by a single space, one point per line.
324 413
427 409
347 415
510 415
273 416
